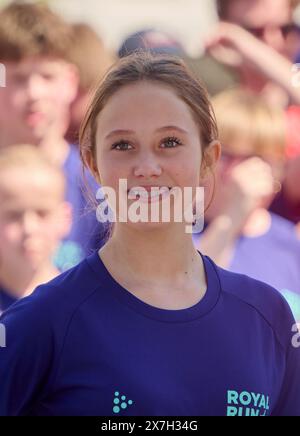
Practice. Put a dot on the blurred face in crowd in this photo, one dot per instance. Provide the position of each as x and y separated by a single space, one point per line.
33 218
269 20
242 175
35 103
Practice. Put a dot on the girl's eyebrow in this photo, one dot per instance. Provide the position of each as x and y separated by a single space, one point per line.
119 132
160 129
179 129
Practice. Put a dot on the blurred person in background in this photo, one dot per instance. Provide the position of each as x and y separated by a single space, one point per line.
261 48
271 21
92 60
241 234
257 45
252 48
42 83
34 218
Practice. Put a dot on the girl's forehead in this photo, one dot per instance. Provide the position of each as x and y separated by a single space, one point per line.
144 86
146 102
143 93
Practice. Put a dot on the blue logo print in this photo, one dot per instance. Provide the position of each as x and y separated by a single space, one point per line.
247 404
120 403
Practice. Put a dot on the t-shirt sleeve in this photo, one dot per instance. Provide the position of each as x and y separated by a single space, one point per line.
289 400
26 358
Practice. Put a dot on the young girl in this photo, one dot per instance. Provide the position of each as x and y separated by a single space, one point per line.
149 326
34 218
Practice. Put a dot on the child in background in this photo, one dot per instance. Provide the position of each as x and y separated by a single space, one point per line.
42 83
242 235
33 219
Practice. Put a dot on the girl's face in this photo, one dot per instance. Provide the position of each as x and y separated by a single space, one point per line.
147 135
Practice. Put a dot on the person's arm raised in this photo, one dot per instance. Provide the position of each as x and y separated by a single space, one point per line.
234 46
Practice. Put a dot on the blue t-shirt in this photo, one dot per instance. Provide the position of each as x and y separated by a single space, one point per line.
84 345
86 234
273 258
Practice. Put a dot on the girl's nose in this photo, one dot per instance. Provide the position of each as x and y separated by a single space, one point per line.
147 166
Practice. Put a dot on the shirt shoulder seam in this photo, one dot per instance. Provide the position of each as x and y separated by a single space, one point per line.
225 291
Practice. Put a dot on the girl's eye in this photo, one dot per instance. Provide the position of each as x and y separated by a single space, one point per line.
171 142
122 146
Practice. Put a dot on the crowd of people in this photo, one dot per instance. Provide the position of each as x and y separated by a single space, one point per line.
48 222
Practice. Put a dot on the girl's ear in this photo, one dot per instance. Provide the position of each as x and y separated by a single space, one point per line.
212 154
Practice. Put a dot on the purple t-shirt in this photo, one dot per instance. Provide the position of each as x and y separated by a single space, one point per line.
273 258
101 351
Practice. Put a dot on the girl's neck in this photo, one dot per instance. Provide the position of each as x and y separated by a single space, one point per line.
23 284
166 255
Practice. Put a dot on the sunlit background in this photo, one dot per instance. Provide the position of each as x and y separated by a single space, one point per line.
187 20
